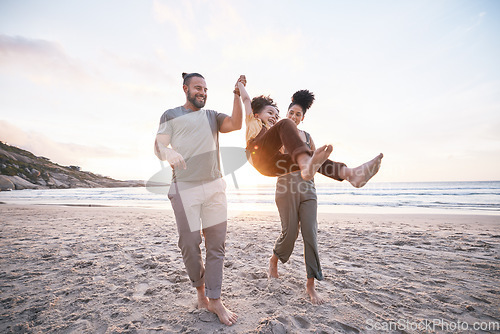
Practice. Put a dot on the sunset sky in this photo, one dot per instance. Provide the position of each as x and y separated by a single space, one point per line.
85 82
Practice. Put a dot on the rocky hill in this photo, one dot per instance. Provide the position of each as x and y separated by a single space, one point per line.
20 169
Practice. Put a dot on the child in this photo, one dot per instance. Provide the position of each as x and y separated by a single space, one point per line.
265 137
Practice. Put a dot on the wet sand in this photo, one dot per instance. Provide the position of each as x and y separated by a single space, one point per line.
119 270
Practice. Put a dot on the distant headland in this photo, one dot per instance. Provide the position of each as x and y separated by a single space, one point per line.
20 169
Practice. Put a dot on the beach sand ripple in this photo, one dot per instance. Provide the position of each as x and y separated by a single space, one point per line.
119 270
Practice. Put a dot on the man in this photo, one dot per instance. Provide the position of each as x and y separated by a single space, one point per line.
197 193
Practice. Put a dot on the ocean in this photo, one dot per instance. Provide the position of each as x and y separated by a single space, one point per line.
416 197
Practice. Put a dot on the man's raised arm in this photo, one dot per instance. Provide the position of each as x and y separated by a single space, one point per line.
234 122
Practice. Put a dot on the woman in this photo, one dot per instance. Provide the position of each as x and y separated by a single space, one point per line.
297 201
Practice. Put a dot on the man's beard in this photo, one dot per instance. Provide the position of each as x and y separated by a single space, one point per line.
196 103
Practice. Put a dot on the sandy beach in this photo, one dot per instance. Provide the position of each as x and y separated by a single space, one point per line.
118 270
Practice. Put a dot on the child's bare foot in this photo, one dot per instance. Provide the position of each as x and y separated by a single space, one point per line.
273 266
315 162
316 299
225 316
360 175
202 299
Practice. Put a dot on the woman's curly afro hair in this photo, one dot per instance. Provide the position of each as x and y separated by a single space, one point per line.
259 102
303 98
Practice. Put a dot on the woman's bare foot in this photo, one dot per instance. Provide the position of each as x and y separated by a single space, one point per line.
225 316
360 175
202 299
273 266
313 294
314 163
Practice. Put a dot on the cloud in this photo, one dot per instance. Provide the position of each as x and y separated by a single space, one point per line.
14 46
269 46
245 40
219 27
39 60
61 153
478 19
46 63
182 18
146 70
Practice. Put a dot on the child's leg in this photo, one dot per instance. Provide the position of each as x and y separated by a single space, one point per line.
360 175
284 133
310 165
357 176
300 153
265 149
267 159
332 169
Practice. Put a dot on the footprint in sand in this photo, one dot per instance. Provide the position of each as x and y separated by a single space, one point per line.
271 326
258 275
177 276
342 328
301 322
150 263
140 290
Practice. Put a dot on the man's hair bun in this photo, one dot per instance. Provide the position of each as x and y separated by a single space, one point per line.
187 77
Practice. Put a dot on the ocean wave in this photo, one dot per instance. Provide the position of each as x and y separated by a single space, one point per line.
474 197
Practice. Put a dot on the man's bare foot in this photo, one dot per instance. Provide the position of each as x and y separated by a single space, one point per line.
313 294
225 316
360 175
315 162
273 266
202 299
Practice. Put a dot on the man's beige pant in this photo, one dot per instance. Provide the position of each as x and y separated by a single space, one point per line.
201 207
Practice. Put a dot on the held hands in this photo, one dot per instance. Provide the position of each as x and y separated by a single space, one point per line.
241 80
